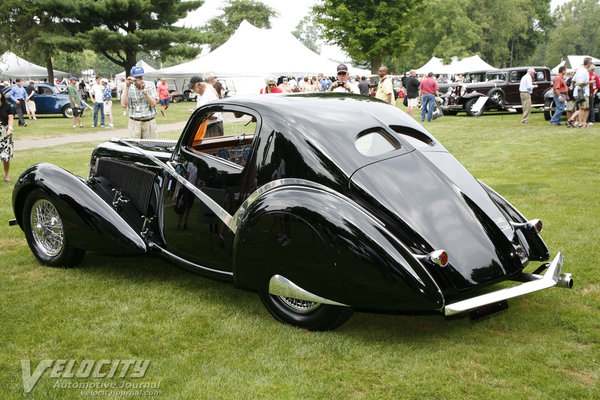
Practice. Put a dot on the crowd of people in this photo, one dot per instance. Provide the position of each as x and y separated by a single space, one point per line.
573 92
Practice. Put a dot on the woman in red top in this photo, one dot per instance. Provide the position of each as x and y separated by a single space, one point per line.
270 88
163 96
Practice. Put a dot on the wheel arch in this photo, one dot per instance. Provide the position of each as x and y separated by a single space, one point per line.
374 271
90 222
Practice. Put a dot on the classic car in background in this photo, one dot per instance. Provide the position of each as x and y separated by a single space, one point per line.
320 203
501 87
48 100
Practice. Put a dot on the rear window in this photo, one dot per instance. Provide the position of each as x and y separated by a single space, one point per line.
375 142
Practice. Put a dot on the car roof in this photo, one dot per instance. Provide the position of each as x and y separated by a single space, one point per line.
328 123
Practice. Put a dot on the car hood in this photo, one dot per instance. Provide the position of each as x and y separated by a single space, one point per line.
431 202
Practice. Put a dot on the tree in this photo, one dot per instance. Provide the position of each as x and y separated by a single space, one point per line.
444 30
369 30
510 30
503 33
121 29
308 34
220 28
576 31
25 28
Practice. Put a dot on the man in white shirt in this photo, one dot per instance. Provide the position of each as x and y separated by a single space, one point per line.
526 87
207 93
582 85
96 94
342 85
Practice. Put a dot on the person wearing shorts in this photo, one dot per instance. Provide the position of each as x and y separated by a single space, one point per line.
107 99
412 92
163 96
75 101
30 101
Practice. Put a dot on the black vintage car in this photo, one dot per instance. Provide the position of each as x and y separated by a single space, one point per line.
320 203
500 88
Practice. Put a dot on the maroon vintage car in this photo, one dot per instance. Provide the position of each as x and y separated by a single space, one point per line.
501 87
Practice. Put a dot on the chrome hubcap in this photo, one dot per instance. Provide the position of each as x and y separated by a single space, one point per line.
47 228
301 306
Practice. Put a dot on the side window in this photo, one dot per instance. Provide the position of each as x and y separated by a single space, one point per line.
514 76
540 76
225 134
47 90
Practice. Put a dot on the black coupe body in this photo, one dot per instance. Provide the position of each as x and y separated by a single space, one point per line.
321 204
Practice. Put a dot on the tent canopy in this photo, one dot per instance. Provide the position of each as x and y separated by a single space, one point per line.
257 53
467 64
576 61
141 63
13 66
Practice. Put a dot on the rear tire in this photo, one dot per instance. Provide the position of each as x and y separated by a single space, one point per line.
45 234
549 109
305 314
67 112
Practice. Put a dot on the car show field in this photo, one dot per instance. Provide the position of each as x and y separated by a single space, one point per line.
207 339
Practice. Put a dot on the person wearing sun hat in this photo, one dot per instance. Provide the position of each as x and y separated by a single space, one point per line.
140 98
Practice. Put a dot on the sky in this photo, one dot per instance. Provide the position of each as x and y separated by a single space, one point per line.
290 12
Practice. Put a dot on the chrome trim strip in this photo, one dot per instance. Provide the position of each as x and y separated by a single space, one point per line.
281 286
549 279
167 253
212 205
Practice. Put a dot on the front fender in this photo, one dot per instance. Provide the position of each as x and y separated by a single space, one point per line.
361 263
89 222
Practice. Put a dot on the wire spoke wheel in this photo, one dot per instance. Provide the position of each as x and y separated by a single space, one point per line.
47 228
300 306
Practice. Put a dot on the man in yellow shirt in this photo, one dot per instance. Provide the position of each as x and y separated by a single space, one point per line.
385 88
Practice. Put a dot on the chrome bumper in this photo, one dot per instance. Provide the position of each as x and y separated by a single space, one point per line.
552 277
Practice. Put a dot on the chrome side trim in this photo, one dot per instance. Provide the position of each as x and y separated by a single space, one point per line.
281 286
552 277
167 253
214 207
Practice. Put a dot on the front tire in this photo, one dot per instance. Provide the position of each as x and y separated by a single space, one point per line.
305 314
45 233
469 108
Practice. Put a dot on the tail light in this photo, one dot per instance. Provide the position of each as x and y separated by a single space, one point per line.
440 257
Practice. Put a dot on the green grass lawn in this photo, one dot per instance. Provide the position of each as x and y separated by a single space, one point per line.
208 340
50 125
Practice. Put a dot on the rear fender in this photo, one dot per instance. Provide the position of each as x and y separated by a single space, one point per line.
351 257
89 222
538 251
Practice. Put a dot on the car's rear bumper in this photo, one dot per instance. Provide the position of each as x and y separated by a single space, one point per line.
552 277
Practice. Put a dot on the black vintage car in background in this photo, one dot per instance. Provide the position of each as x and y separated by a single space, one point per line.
500 86
320 203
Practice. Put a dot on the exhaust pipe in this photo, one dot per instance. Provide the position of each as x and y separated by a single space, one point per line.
565 281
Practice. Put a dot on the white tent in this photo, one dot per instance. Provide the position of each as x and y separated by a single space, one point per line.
13 66
555 69
576 61
250 55
434 65
467 64
141 63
